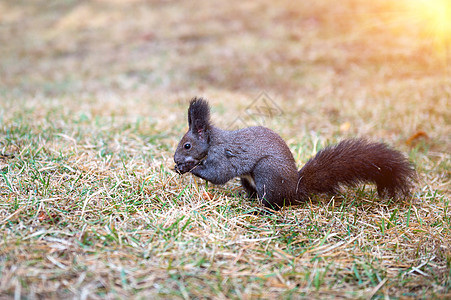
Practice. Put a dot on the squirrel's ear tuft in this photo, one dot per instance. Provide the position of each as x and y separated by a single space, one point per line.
199 117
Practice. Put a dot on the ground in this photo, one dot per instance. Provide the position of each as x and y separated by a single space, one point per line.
93 101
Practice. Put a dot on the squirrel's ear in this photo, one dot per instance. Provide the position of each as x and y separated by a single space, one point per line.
199 118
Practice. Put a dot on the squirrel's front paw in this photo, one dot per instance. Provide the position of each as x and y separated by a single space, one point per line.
183 168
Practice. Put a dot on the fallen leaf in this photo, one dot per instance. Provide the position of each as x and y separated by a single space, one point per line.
43 216
207 196
419 134
345 127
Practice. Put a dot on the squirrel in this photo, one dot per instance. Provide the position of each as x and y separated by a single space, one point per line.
267 169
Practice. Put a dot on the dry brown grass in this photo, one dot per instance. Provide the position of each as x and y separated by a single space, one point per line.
93 101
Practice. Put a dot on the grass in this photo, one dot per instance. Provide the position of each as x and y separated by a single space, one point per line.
93 102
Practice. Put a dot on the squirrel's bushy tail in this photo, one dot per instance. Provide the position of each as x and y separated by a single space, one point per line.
356 161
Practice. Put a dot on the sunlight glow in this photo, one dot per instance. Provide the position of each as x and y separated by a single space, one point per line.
435 18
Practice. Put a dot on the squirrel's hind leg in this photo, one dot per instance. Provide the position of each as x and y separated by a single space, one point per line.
273 196
275 182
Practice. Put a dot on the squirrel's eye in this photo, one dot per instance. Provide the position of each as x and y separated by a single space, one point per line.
187 146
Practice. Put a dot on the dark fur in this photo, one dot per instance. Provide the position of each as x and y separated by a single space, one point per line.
199 115
357 161
267 168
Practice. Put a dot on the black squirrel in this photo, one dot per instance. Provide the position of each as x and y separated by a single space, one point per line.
267 169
